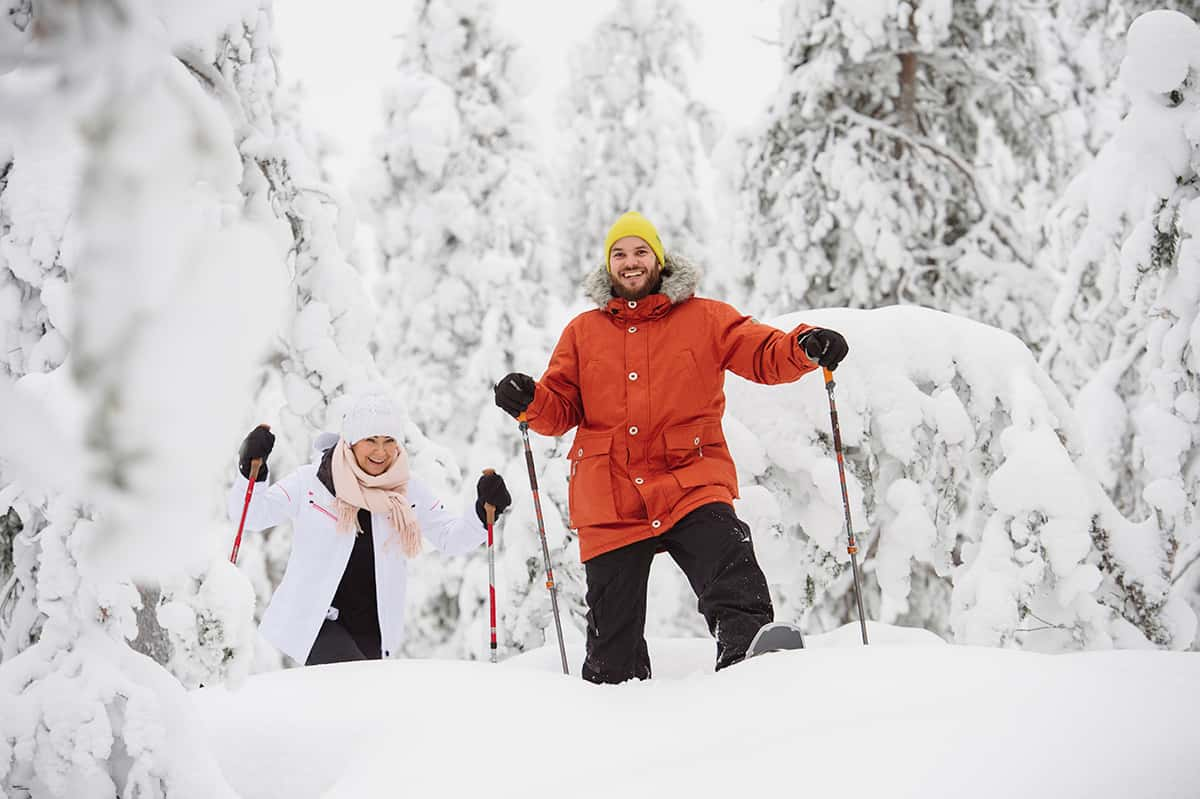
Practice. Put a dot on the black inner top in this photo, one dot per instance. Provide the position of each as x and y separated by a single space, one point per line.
358 609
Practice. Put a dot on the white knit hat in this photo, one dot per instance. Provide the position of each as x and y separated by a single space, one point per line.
372 413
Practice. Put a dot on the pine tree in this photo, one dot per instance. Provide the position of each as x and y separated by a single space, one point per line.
321 345
1081 60
321 351
1127 309
313 363
35 248
469 265
906 159
468 259
160 300
39 181
24 323
636 136
977 512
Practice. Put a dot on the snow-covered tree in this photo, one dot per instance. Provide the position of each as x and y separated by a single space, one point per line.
1084 43
320 347
1126 315
319 351
1083 54
469 266
35 249
907 158
36 192
470 281
323 345
977 508
38 254
636 137
115 446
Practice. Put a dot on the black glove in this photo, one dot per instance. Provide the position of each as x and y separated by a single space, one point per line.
491 491
514 392
826 347
258 445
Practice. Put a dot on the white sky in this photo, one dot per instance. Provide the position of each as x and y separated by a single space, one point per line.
344 58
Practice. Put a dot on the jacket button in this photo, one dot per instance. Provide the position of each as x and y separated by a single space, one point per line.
633 430
633 329
656 524
580 452
633 375
638 480
632 303
696 440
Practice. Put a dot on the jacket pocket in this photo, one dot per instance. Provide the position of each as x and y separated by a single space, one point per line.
698 456
590 494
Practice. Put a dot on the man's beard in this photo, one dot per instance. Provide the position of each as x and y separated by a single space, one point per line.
626 294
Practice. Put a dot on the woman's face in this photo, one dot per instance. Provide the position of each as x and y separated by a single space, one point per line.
376 455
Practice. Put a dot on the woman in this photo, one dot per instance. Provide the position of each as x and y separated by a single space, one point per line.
358 517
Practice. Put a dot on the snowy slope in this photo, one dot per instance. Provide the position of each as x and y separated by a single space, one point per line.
908 716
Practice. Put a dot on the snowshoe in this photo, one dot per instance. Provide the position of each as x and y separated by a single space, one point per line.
776 637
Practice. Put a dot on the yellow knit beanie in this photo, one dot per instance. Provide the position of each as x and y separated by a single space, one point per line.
633 224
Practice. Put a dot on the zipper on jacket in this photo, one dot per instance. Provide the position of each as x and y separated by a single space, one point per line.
323 510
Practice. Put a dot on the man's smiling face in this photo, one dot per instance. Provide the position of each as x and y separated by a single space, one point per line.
634 268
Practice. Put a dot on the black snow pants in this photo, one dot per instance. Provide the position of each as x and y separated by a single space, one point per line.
712 546
337 644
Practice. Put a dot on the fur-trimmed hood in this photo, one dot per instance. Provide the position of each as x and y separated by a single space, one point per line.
680 278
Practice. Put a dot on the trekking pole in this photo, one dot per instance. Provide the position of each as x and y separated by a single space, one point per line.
537 507
490 510
255 465
851 544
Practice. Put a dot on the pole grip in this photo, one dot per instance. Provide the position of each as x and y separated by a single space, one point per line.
489 508
255 465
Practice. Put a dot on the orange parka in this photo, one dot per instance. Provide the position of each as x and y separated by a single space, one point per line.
644 382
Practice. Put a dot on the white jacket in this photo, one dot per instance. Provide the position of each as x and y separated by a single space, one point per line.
319 554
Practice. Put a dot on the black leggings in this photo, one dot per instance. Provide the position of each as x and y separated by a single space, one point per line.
712 546
336 644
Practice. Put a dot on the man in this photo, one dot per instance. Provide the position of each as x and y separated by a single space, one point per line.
643 379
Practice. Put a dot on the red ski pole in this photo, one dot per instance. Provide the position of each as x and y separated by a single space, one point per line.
255 465
851 544
490 510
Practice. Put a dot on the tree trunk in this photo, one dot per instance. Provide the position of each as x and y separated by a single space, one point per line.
907 106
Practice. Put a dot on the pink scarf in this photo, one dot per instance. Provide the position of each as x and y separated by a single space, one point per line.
385 493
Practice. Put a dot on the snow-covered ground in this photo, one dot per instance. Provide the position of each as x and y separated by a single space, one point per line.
908 716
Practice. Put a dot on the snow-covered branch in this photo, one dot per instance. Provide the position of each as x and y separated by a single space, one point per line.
975 497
